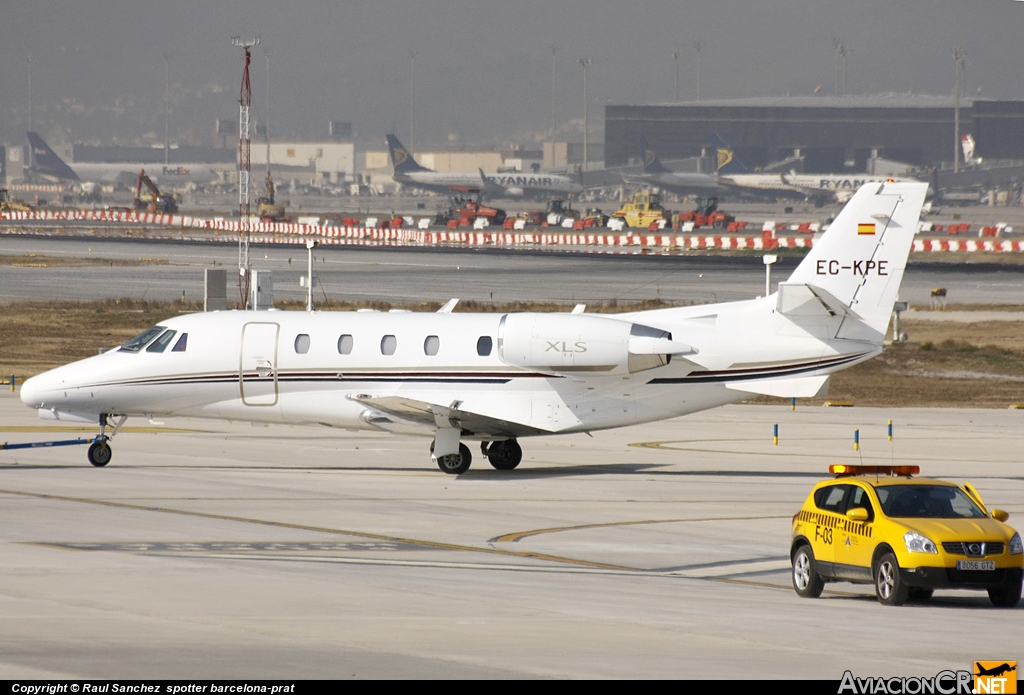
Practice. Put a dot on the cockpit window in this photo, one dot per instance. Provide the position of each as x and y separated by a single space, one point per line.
161 343
182 343
142 339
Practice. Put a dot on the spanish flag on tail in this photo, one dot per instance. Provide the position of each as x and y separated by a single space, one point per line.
866 228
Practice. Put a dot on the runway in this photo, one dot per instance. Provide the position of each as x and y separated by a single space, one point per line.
413 275
222 550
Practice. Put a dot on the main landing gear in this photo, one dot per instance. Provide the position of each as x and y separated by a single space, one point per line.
503 455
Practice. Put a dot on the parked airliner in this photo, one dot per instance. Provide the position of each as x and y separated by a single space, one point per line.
495 379
48 164
409 172
657 174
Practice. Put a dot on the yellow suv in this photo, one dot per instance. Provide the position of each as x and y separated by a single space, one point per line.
907 536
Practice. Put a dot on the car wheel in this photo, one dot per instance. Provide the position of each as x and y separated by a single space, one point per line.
1007 597
806 581
889 587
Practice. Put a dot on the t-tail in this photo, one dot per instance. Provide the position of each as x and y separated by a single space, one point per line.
851 278
652 164
727 162
401 159
46 162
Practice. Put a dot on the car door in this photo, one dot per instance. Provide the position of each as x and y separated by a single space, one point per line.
854 541
829 501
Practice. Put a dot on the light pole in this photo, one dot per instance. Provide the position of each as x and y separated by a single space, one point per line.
769 259
554 49
167 97
412 101
31 154
699 45
310 245
585 62
266 116
675 57
960 56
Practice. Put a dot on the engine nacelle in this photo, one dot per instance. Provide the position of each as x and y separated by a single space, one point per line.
579 344
515 192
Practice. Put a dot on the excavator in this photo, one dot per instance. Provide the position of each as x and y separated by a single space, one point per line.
158 201
269 211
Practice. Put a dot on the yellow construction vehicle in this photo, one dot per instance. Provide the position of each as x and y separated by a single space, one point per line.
269 211
644 209
8 204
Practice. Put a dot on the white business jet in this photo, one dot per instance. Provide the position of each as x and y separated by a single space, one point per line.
495 378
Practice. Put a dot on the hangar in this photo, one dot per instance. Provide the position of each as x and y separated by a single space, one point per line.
833 133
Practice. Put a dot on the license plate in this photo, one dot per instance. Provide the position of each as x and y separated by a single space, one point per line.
981 565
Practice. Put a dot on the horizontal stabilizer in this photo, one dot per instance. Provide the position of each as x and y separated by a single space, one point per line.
798 299
797 387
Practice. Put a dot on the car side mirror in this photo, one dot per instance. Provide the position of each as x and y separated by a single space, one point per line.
1000 515
858 514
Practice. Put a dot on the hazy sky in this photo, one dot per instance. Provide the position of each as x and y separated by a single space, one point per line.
483 69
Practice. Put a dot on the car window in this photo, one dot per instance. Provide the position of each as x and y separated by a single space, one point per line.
927 502
830 499
859 499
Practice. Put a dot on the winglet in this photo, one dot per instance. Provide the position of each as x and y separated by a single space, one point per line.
449 307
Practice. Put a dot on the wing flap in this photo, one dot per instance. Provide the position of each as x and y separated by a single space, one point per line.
433 415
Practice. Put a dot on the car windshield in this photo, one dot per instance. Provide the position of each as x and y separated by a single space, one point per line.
927 502
142 339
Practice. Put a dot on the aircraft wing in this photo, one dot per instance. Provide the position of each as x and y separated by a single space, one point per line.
432 415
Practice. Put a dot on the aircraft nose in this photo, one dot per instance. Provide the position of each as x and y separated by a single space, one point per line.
30 393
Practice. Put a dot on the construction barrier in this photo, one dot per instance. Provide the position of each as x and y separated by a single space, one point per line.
394 232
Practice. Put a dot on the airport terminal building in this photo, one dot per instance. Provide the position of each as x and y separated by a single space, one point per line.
832 133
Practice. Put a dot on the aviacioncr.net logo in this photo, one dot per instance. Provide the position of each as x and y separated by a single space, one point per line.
943 683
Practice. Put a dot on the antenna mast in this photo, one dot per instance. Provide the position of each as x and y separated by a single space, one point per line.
244 170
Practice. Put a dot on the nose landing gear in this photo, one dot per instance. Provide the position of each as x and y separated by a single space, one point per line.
99 452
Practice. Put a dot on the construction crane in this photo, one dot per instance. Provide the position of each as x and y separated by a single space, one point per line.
159 202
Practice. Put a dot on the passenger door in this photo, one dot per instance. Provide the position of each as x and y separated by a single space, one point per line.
257 366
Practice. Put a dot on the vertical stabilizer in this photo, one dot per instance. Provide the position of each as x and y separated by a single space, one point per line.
652 164
727 162
47 163
859 261
401 159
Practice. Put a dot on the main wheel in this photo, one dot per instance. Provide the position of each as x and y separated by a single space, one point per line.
505 455
806 581
889 587
99 454
454 464
1007 597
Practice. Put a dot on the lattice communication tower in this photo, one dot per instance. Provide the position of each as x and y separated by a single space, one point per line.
244 171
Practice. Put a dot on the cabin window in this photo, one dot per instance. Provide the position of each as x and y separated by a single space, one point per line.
388 345
302 343
161 343
142 339
483 346
431 345
345 345
182 343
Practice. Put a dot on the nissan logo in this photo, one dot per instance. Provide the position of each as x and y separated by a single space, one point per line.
976 548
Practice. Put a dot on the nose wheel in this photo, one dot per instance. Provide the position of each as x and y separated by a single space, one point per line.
100 453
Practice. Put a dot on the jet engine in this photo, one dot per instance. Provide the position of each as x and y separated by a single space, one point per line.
578 344
515 192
